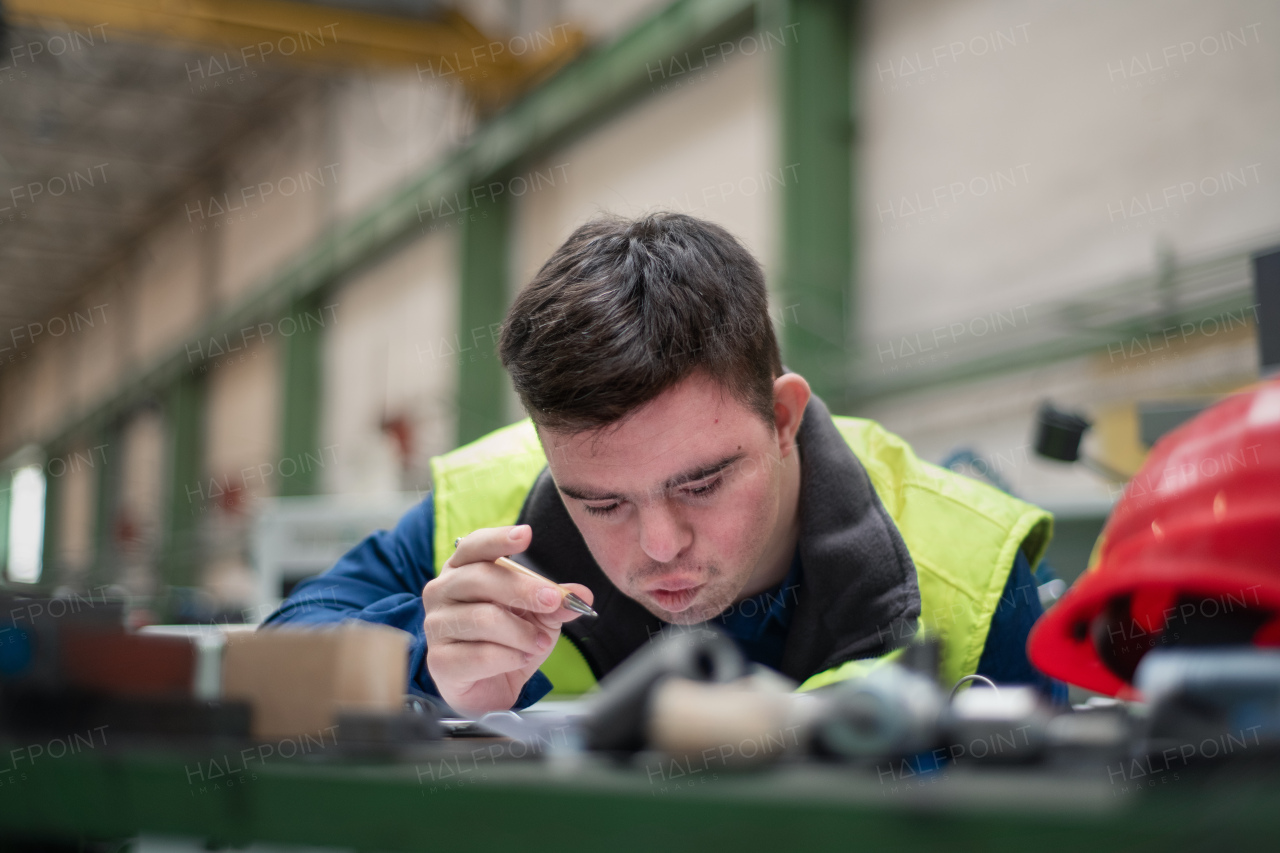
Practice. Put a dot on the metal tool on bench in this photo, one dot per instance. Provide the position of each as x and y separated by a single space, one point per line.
617 718
692 694
1229 693
693 690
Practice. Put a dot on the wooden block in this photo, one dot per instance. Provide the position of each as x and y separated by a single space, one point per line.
117 663
298 680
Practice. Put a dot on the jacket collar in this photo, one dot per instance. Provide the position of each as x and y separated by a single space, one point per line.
859 583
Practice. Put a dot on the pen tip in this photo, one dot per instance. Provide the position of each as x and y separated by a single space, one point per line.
578 605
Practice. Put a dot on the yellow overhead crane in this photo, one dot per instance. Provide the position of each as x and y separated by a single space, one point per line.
492 70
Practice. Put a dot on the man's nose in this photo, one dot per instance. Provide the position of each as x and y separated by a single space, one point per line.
663 534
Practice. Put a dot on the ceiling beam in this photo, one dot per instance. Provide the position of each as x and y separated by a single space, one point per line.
249 33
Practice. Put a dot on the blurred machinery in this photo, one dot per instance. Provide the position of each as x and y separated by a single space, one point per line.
297 538
1058 437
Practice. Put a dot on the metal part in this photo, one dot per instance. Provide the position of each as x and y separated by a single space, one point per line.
577 605
892 711
1005 725
550 732
1058 433
1205 693
617 718
1050 591
969 679
1089 732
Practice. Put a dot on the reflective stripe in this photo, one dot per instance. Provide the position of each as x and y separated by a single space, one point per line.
847 670
858 668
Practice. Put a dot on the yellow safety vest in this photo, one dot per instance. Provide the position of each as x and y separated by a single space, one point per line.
962 535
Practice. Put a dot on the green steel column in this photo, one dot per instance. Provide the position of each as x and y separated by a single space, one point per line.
482 382
302 372
50 564
184 416
816 113
104 457
6 489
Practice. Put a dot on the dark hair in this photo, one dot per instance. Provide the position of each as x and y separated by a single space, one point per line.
626 309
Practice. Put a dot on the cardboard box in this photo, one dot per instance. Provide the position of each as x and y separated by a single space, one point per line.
298 680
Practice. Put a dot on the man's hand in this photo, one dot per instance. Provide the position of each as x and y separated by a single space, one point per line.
488 629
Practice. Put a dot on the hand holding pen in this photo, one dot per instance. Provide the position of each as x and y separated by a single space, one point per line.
568 599
490 626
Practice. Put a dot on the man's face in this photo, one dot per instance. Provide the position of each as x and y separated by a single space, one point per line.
677 502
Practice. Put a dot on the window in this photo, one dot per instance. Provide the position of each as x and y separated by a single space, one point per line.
26 524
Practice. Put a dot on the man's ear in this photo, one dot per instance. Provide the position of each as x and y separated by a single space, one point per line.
790 396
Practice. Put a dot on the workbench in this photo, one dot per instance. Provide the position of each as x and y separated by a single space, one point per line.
454 795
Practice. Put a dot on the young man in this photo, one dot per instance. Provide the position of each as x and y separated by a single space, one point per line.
673 473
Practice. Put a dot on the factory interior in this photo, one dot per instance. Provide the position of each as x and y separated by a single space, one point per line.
256 258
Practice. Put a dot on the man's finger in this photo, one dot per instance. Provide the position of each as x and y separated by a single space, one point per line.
466 662
486 622
476 582
552 621
489 543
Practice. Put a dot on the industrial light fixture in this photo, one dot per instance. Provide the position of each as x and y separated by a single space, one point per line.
1058 437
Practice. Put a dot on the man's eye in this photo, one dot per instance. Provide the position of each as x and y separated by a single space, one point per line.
601 510
704 489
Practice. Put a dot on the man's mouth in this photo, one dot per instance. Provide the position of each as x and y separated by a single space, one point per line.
674 596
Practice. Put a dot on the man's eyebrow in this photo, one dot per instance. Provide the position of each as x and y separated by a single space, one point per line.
703 471
689 476
587 495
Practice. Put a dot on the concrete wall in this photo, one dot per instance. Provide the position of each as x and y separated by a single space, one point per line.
1040 167
76 469
393 356
384 127
706 144
165 298
1017 157
276 197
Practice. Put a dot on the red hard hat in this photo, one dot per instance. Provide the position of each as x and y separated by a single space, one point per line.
1189 556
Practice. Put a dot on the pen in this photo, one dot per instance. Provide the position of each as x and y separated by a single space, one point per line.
571 601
